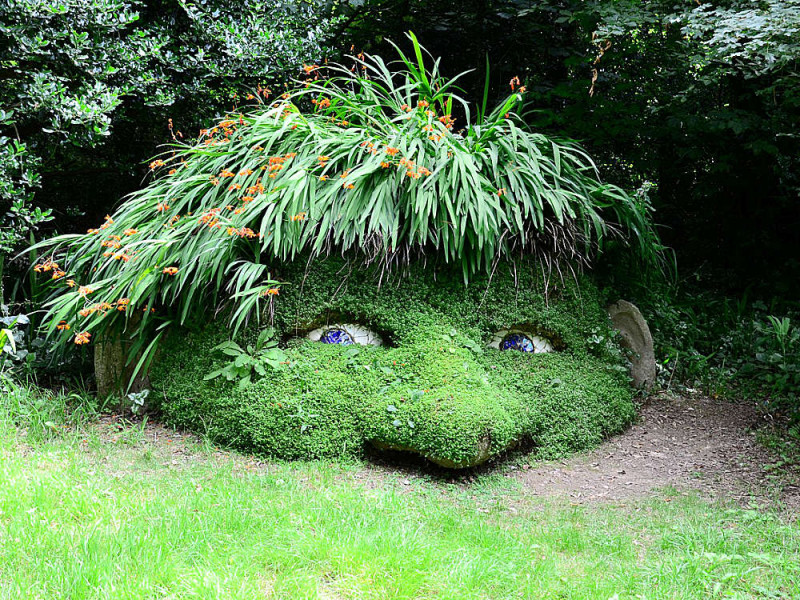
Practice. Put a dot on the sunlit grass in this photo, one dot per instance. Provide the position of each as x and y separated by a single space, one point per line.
108 512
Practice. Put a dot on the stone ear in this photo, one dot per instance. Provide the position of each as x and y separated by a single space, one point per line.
628 320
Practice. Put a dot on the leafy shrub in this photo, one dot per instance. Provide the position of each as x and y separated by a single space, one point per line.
375 167
15 345
91 86
776 364
433 388
718 343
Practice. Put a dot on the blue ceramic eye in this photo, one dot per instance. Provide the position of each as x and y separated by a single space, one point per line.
517 341
336 336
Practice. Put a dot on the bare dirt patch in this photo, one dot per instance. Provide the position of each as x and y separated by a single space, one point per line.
693 443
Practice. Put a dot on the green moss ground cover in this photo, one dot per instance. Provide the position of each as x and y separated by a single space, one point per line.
434 388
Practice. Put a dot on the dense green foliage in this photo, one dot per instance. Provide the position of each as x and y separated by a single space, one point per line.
695 104
90 87
434 388
376 169
698 98
727 347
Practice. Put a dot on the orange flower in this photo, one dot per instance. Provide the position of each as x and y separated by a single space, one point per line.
513 83
172 171
58 274
170 270
255 189
226 173
323 159
501 191
385 165
299 216
210 218
310 68
71 282
62 326
214 180
155 164
323 178
131 231
423 104
347 186
122 304
162 207
84 290
392 151
82 338
92 231
246 172
271 292
46 266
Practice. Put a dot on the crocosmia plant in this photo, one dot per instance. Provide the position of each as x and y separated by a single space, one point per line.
383 164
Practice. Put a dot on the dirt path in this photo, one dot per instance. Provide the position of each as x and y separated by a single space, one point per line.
686 443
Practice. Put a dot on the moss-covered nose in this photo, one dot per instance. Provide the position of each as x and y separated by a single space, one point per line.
456 417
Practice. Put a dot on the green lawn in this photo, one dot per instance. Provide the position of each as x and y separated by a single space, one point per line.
99 514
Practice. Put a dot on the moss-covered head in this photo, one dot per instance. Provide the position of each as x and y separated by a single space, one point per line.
434 386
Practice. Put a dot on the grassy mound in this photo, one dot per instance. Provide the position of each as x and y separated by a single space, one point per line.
433 387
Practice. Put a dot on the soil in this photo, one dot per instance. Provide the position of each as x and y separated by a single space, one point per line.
684 443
